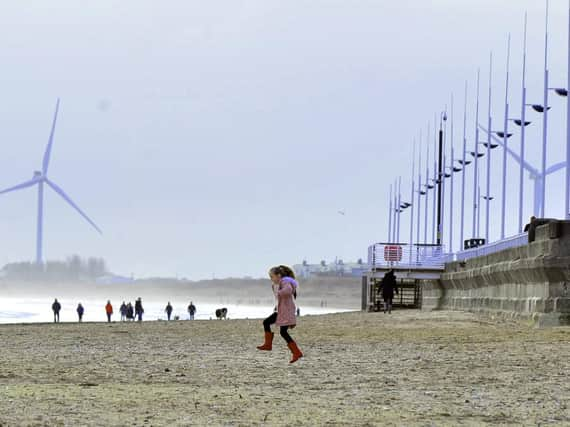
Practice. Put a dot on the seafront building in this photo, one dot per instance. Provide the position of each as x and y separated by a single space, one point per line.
336 268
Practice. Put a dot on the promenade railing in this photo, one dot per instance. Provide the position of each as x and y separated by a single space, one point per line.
500 245
405 256
432 257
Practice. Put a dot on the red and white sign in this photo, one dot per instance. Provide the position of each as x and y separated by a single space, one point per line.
392 253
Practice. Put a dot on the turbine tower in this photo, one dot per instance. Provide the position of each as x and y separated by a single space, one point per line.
40 178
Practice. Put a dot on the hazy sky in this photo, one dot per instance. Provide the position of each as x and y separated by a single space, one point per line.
222 137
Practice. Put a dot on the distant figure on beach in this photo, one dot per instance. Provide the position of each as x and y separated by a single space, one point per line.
389 285
109 311
191 310
123 310
56 308
298 311
139 309
284 288
168 310
130 312
80 311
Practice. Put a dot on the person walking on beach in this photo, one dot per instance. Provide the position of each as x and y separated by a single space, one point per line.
123 311
80 311
191 310
168 310
109 311
388 287
139 309
56 308
285 289
130 312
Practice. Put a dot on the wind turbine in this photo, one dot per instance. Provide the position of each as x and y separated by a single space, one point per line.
40 178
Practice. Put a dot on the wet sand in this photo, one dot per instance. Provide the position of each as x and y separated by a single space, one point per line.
410 368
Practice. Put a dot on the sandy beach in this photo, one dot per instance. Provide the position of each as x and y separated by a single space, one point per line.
410 368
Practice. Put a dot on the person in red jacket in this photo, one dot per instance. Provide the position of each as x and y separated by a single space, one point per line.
109 311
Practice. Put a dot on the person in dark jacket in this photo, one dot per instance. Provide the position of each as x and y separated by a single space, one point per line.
56 308
168 310
123 310
80 311
388 287
130 312
191 310
139 309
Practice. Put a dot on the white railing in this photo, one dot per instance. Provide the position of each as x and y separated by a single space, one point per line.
509 242
404 256
432 257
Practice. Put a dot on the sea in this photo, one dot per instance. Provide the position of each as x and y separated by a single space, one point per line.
38 310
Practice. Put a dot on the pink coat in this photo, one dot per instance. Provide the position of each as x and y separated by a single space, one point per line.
285 305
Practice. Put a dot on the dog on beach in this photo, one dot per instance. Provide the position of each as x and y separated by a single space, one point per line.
221 313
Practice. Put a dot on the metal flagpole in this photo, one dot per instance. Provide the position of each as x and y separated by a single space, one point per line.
452 172
395 211
390 217
567 195
419 219
523 130
489 125
505 141
434 223
412 200
478 210
544 118
399 207
476 156
427 189
463 165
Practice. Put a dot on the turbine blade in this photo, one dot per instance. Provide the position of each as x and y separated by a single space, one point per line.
47 154
20 186
72 203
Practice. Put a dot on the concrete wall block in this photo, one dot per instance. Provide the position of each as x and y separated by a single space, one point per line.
562 305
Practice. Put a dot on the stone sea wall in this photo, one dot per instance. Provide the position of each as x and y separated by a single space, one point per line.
530 281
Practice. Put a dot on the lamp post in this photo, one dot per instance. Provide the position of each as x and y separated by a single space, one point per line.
489 124
567 181
427 187
394 212
435 181
419 202
463 164
451 180
442 118
523 126
476 156
412 200
505 138
399 205
390 217
478 192
545 116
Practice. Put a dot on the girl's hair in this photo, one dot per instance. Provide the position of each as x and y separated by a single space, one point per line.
283 271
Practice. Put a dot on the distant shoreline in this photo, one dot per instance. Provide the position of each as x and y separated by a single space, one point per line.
338 292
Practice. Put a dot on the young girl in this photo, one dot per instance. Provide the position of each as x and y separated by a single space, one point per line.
285 289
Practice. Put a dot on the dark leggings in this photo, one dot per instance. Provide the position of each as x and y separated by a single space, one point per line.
283 330
269 321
